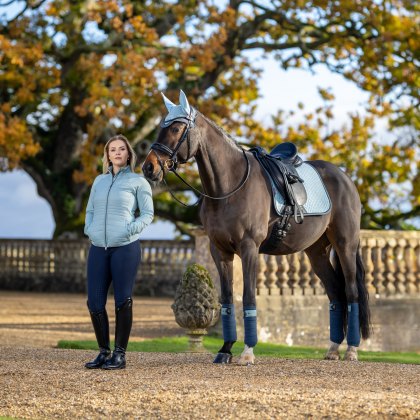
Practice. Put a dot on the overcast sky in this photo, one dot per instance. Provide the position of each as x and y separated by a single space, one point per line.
23 214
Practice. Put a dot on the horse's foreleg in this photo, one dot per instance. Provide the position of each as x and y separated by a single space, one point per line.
249 256
224 264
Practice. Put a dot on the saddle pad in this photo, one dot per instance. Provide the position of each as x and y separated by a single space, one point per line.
318 201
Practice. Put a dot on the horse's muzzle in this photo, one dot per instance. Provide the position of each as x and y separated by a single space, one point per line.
152 172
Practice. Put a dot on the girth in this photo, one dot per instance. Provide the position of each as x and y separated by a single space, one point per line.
279 167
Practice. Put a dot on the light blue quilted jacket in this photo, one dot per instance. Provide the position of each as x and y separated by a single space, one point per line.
110 212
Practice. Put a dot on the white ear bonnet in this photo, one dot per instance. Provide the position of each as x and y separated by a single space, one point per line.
182 112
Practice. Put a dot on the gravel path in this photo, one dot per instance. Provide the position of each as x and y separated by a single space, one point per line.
40 382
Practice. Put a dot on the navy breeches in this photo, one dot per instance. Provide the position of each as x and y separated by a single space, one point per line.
116 265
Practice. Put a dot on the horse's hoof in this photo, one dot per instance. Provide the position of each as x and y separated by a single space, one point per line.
351 356
332 355
246 360
223 358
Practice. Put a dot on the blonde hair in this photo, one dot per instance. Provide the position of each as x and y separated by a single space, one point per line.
132 158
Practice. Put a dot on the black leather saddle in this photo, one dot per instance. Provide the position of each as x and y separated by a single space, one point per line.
279 166
287 153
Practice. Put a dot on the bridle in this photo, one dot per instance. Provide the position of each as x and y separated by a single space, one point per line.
171 164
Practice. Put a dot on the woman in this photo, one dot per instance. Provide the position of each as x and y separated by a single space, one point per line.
115 254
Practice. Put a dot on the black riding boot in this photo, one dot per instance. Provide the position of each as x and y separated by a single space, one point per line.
101 327
123 322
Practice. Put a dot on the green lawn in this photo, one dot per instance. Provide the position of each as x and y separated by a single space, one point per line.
212 344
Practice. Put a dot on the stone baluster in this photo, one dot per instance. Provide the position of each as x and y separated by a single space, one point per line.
271 278
152 260
368 263
159 259
294 273
304 276
378 266
167 256
410 278
400 268
389 263
282 275
262 266
417 265
316 284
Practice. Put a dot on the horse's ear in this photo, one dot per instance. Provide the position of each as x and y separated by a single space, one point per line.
184 102
168 103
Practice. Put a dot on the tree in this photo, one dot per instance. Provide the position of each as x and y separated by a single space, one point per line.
74 73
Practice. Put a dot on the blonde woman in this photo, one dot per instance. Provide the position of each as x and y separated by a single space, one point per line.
115 254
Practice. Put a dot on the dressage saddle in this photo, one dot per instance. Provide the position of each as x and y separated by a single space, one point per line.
279 166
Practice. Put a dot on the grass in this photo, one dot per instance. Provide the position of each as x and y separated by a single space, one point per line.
212 344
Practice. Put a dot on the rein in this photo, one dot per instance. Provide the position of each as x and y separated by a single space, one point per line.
172 163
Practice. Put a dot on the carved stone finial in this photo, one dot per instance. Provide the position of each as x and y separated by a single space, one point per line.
196 306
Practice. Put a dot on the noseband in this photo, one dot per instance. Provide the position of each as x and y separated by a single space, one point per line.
171 164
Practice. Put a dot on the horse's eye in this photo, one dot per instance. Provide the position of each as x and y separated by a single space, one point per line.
175 130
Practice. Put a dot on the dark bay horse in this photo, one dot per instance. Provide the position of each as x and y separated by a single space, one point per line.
238 216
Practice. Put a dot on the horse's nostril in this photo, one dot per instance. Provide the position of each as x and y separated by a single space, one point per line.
148 169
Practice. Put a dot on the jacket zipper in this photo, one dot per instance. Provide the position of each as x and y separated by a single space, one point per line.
106 206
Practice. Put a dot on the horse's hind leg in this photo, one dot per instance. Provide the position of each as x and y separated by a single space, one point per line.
224 264
350 267
319 256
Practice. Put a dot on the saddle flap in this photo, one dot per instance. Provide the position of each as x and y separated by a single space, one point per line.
299 193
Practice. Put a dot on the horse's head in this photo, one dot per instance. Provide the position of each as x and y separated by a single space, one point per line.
174 144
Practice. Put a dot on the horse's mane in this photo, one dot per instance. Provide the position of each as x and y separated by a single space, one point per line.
226 135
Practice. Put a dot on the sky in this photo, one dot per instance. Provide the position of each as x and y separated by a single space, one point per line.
23 214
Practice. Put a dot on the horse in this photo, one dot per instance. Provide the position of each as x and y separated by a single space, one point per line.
238 216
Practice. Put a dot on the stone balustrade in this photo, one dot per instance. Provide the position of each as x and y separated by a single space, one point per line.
60 265
292 305
391 260
293 308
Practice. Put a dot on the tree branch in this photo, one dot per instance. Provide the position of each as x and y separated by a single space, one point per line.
146 128
42 188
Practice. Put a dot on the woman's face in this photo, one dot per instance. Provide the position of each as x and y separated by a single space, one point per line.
118 153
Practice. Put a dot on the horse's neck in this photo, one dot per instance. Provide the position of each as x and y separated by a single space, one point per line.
220 162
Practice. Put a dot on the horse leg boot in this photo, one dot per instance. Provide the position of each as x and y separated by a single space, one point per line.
250 339
229 333
123 323
336 330
101 327
224 264
353 332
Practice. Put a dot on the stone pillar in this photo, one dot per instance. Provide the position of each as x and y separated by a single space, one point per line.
282 275
262 266
272 275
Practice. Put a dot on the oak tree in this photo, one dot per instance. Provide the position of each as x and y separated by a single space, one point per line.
73 73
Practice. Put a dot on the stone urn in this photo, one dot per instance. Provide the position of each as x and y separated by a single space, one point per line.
196 306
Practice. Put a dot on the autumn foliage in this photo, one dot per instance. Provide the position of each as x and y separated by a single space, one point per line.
74 73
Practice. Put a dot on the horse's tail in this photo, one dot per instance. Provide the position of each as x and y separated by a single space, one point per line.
364 311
